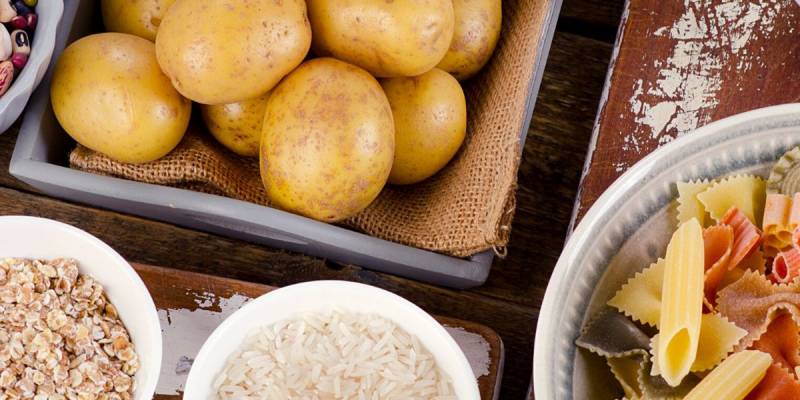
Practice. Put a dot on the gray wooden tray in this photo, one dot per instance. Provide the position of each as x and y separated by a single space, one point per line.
40 159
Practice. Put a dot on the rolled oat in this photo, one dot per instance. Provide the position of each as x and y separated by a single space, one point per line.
60 337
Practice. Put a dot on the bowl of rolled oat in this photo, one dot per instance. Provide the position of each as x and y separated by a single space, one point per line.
76 321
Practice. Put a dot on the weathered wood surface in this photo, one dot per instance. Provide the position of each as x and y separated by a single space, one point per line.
508 303
683 64
175 289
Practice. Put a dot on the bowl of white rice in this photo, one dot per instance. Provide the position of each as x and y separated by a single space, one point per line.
331 340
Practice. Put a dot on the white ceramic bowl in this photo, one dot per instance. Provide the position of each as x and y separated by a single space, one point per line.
31 237
13 101
628 228
321 296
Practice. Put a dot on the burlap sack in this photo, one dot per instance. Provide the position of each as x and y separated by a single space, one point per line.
465 209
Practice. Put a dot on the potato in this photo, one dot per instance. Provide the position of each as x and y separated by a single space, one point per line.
387 38
430 120
110 96
477 30
220 52
137 17
328 141
237 125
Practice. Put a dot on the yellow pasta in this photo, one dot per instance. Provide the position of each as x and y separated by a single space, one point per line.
777 227
688 205
746 192
734 378
626 370
718 337
640 297
681 303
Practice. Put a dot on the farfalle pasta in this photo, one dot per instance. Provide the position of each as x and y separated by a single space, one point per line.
777 384
782 341
718 317
745 192
688 205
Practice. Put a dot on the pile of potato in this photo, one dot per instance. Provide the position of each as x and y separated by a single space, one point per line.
291 81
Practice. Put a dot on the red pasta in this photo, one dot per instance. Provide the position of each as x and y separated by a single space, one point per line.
794 214
781 341
746 237
718 245
786 266
777 384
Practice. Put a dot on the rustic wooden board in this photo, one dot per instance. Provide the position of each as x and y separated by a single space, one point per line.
174 289
508 303
679 65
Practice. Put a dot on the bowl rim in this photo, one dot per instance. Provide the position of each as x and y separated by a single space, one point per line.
204 358
571 260
130 276
45 38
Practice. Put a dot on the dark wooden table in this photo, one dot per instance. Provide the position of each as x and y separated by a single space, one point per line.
509 302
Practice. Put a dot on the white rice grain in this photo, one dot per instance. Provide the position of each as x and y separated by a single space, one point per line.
333 355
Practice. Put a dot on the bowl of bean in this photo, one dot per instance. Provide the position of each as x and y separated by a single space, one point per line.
27 39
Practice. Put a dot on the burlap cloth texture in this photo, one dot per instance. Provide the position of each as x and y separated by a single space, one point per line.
463 210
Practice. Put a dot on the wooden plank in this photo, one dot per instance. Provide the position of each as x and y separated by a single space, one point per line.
596 19
508 302
174 289
148 242
602 13
552 162
681 65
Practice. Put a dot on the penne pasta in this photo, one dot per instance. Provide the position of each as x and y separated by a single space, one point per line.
777 230
734 379
681 303
796 239
786 266
794 214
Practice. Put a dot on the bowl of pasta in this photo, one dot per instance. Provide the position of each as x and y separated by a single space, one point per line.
682 280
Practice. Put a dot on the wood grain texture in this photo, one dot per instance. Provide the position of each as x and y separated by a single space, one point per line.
173 289
678 68
604 13
596 19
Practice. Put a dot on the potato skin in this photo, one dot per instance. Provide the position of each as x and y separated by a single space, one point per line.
328 141
110 96
478 24
430 116
220 52
237 125
387 38
137 17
